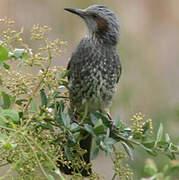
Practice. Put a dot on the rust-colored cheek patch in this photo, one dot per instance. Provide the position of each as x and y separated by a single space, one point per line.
102 25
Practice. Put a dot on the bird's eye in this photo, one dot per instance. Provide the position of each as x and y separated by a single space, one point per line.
94 16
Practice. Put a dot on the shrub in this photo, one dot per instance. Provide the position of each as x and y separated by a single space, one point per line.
36 126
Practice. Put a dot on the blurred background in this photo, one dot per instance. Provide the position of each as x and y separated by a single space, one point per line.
149 53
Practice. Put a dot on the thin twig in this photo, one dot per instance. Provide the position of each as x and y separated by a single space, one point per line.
114 176
120 137
85 113
39 147
155 148
14 36
9 129
35 155
41 81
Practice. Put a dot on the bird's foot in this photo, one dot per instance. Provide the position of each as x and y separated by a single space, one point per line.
73 117
73 120
112 125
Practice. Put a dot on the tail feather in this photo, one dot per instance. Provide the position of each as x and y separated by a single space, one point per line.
86 145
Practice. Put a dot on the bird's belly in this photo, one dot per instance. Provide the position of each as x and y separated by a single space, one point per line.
95 90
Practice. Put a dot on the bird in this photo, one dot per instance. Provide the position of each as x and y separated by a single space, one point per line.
94 67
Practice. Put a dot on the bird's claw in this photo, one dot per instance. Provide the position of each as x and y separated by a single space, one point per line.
112 125
73 118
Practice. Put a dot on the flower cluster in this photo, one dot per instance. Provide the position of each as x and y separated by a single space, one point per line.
20 84
122 171
139 124
9 36
48 49
38 32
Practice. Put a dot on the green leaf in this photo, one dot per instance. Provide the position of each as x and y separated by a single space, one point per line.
127 129
109 141
98 139
107 133
137 135
107 148
159 134
167 138
6 66
45 126
20 101
71 140
122 126
68 153
128 150
33 106
119 137
174 147
74 127
170 147
171 155
162 144
99 128
59 106
18 164
3 54
150 151
93 118
66 120
97 115
64 83
43 97
17 53
129 144
103 146
64 74
10 114
89 129
25 56
106 121
148 141
7 145
6 100
77 136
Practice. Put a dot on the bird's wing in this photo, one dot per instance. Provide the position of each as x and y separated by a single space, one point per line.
79 57
82 57
119 68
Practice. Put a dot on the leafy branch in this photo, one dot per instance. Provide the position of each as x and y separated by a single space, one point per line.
37 130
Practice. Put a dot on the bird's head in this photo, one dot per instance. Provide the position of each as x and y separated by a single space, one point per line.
102 23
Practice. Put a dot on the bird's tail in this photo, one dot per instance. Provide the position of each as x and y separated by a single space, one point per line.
85 144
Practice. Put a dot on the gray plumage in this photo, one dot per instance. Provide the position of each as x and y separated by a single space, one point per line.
94 68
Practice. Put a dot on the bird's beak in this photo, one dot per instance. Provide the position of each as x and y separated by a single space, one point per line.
79 12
